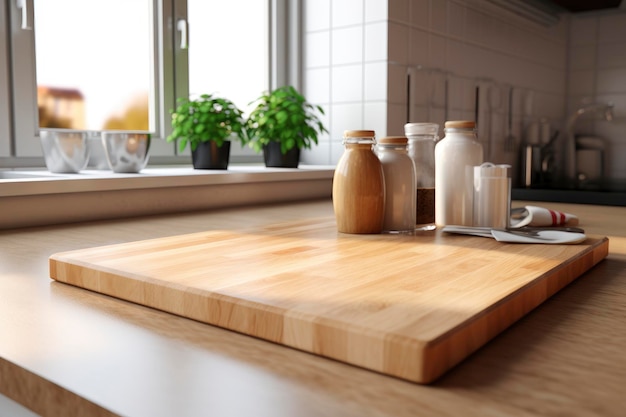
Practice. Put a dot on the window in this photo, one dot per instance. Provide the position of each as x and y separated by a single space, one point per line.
94 64
120 64
226 59
218 49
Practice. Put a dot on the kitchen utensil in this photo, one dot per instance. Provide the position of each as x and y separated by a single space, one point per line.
523 235
65 151
535 229
527 230
126 151
413 315
509 140
555 237
531 166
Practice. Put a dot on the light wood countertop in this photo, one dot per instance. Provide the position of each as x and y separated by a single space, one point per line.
67 351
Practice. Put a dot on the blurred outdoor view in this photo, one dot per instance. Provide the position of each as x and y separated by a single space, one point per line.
95 64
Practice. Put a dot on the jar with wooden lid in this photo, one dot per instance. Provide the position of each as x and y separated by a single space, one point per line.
359 185
456 155
400 189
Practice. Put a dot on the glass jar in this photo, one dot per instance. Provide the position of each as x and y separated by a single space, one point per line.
456 155
399 173
422 138
492 195
359 185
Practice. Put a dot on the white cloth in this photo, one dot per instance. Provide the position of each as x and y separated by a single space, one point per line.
541 216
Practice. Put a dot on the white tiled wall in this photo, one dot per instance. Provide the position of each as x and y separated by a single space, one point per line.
345 68
359 52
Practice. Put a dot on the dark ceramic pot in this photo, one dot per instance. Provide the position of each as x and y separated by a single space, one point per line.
276 159
209 156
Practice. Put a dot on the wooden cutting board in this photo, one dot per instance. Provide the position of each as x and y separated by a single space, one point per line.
407 306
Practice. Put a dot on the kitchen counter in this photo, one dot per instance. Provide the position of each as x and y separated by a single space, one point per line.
67 351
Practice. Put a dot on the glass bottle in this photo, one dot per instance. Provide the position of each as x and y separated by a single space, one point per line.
422 138
359 185
456 155
399 173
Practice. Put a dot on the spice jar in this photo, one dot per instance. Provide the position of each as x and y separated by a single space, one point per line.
456 155
399 173
492 195
422 138
359 185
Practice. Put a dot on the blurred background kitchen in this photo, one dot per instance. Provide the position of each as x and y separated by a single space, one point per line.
545 81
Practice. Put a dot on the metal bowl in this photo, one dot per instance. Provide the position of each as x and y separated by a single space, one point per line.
65 151
126 151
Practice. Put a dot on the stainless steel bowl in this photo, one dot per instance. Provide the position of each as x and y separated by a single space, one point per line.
126 151
65 151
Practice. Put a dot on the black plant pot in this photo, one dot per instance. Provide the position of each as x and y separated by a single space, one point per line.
209 156
276 159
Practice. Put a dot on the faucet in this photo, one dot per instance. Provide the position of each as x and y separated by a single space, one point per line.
606 109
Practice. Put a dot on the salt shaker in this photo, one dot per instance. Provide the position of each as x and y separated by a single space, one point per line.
456 155
400 189
492 195
422 138
359 185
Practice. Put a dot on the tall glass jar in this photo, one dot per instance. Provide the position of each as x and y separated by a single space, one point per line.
399 172
422 138
359 185
456 155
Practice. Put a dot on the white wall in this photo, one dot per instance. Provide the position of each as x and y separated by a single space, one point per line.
345 68
358 54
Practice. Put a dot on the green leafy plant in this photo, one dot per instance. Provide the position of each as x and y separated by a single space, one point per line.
206 118
283 115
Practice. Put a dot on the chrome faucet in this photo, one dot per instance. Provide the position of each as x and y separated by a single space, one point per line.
606 109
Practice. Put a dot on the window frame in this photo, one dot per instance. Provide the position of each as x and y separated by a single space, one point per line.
19 141
5 120
23 87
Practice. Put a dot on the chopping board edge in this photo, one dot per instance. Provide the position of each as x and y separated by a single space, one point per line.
474 333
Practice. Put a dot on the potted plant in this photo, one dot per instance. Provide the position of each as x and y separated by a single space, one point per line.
281 123
207 123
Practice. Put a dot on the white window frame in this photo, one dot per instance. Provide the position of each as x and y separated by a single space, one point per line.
23 63
5 121
23 85
19 141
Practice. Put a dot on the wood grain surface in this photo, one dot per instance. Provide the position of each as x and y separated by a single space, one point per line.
406 306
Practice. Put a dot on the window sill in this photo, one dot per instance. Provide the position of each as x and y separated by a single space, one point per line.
37 197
